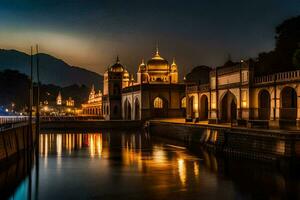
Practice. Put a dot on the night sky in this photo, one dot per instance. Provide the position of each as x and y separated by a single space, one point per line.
92 33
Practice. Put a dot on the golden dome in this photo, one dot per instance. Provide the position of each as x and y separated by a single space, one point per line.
117 67
157 63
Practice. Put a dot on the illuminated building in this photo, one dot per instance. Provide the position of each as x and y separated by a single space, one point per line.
94 104
116 77
157 92
59 99
234 94
70 102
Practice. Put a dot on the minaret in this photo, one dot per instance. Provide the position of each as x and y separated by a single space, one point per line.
141 71
59 99
174 72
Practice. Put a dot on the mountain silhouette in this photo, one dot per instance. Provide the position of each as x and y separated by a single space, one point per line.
52 70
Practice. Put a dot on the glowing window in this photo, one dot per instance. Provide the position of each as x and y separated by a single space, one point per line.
183 102
158 103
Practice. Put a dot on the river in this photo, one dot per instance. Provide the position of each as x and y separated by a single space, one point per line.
133 165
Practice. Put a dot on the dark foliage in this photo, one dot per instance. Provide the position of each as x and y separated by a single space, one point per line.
199 75
14 88
287 42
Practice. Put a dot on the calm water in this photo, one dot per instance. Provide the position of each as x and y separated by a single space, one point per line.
133 165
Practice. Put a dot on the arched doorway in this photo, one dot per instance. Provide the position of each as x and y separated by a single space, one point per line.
183 105
288 109
137 109
228 108
160 107
127 110
191 110
203 107
264 105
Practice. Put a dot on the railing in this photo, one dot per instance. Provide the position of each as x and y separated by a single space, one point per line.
12 119
69 118
264 79
279 77
193 88
198 88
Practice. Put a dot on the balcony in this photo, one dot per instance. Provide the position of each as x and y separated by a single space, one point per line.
279 77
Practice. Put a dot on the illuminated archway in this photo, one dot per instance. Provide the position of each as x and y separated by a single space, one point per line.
288 104
264 105
137 109
158 103
228 107
204 107
160 107
183 102
127 110
192 107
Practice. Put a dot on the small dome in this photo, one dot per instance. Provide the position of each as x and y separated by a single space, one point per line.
117 67
142 66
126 74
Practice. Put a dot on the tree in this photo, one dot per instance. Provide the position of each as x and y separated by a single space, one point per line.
296 59
281 58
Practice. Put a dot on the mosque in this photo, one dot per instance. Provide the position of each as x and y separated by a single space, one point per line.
156 93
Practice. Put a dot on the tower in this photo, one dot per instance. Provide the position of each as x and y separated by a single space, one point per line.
116 77
59 99
173 72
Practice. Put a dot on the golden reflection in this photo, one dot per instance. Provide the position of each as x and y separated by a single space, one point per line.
41 144
196 169
159 155
132 156
182 171
95 143
99 145
59 149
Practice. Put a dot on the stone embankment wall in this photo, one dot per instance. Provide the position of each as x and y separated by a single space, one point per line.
253 143
15 140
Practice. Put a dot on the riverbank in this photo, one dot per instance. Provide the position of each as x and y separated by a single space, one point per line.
237 141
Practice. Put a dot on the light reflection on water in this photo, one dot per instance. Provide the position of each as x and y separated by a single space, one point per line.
119 165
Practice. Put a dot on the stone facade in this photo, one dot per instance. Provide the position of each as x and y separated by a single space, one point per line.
157 92
234 94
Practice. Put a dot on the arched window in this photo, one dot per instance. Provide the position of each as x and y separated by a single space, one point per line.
183 102
158 103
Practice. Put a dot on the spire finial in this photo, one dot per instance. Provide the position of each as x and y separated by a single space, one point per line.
174 61
157 50
143 61
118 60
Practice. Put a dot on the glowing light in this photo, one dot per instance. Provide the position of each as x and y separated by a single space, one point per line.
182 171
59 149
244 104
158 103
213 105
196 169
